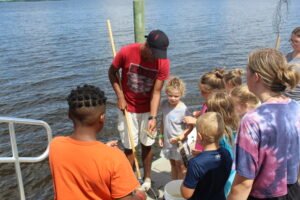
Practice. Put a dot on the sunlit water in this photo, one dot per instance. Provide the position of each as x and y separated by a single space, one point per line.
48 48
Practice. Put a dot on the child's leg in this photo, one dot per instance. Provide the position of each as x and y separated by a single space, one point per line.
181 170
174 172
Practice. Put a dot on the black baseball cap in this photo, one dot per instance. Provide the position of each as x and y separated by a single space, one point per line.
158 42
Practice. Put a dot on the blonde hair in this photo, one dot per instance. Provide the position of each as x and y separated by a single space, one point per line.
175 83
211 81
234 77
211 127
273 69
245 97
221 103
296 31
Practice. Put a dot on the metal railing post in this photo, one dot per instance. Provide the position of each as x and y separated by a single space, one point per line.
14 149
15 157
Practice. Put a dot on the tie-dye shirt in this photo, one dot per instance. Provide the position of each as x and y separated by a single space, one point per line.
268 148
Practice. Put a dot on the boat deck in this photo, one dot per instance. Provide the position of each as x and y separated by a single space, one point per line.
160 176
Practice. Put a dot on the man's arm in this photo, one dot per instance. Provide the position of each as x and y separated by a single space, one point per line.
241 188
114 80
186 192
154 104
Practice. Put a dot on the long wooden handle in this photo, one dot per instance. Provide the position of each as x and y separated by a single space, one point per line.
125 111
277 42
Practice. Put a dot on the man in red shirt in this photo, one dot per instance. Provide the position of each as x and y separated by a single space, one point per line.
144 69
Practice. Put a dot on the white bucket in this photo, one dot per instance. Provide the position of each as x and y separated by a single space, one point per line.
172 190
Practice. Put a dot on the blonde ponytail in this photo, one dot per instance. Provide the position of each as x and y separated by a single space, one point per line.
272 67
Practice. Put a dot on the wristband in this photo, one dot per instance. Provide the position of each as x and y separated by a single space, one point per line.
160 136
152 117
140 196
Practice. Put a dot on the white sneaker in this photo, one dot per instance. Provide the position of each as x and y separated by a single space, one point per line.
146 185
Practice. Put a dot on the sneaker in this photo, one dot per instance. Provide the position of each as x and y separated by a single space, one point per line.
146 185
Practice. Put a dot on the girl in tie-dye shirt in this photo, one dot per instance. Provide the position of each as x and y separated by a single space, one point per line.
267 148
267 153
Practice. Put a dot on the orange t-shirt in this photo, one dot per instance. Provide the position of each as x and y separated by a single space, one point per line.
89 170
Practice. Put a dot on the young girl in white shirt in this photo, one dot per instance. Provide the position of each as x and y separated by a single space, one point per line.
173 129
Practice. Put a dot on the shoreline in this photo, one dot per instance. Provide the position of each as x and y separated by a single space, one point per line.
5 1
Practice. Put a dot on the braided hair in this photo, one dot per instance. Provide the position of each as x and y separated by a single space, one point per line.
86 104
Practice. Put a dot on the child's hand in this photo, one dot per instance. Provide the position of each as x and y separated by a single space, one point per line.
196 113
160 142
112 143
189 120
174 140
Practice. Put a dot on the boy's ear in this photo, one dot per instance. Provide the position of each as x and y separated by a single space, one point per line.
102 118
200 136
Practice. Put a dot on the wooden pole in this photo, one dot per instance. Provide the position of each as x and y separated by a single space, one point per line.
139 21
277 42
125 111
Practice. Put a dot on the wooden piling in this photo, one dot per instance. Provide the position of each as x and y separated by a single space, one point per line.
139 21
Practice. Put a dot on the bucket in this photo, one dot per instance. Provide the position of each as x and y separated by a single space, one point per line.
172 190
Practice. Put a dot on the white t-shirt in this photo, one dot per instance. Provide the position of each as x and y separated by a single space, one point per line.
173 120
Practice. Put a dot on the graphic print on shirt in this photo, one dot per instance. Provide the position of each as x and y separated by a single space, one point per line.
141 79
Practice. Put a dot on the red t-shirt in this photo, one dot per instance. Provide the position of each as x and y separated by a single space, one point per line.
138 76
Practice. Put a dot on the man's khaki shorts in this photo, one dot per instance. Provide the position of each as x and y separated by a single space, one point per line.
138 124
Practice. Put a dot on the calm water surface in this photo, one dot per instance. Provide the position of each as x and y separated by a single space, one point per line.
48 48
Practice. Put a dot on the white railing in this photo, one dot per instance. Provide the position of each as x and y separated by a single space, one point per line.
15 155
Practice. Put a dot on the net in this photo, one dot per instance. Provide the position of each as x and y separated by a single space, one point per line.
280 15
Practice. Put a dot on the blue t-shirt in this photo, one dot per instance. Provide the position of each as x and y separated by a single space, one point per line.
267 148
207 173
225 143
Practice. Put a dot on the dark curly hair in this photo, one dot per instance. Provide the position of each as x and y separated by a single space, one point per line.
86 104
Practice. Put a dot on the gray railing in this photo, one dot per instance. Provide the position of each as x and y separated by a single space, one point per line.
15 155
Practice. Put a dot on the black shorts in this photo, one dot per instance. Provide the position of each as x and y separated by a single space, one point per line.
293 194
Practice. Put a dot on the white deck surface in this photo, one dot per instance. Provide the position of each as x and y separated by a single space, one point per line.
160 175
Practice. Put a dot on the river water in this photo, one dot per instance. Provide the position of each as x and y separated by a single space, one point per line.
49 47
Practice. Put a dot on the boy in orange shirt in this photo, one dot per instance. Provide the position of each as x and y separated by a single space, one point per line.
84 168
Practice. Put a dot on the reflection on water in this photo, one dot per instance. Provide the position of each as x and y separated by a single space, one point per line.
47 48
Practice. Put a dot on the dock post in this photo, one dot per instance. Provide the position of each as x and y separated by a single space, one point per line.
139 20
